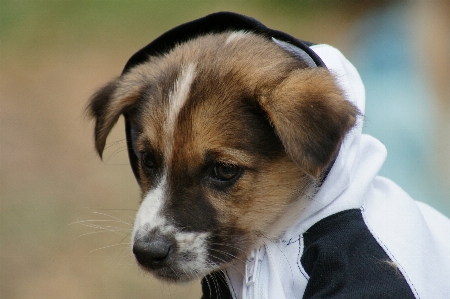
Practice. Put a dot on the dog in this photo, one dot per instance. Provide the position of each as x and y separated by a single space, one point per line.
247 146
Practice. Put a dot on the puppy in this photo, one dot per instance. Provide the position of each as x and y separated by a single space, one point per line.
233 135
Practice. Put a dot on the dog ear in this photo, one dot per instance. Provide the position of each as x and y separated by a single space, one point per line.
311 117
106 106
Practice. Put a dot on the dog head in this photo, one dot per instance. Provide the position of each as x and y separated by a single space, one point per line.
231 135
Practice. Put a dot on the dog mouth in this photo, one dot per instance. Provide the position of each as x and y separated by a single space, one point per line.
174 266
168 266
182 257
179 257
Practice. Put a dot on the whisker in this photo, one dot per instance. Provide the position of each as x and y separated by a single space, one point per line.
106 227
115 218
92 220
209 286
227 253
109 246
175 272
117 151
213 280
109 228
231 246
121 256
135 210
223 277
91 233
215 284
230 264
110 144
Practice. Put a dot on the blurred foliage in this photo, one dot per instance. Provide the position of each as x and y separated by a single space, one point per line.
72 22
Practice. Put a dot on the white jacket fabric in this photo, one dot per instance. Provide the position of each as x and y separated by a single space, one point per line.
361 236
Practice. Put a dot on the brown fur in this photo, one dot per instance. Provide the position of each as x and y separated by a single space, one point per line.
250 104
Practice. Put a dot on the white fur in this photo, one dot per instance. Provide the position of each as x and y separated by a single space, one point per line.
234 36
148 216
193 244
177 99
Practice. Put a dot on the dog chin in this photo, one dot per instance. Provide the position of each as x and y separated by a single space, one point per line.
170 275
175 274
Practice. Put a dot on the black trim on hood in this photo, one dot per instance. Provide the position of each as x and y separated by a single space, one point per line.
214 23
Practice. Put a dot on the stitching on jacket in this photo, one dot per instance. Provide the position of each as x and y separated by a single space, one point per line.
391 256
230 285
290 241
300 254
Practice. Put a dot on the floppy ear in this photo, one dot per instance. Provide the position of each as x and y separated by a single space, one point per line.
311 117
106 106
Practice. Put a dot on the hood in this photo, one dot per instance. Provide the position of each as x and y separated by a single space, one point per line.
360 157
214 23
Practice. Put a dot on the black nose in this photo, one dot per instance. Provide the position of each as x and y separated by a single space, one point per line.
152 252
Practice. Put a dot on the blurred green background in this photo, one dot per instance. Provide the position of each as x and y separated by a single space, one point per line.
66 216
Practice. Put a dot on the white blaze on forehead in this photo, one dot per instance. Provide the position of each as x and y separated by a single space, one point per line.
177 99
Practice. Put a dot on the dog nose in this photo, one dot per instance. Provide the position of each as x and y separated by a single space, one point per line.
151 252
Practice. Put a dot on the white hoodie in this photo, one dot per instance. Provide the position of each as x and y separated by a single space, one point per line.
361 236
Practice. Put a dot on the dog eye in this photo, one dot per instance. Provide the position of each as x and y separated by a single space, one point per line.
147 160
225 172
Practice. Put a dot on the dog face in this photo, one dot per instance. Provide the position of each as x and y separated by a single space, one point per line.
231 134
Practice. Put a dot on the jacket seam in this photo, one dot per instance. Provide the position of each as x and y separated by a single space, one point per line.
299 260
391 256
230 285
